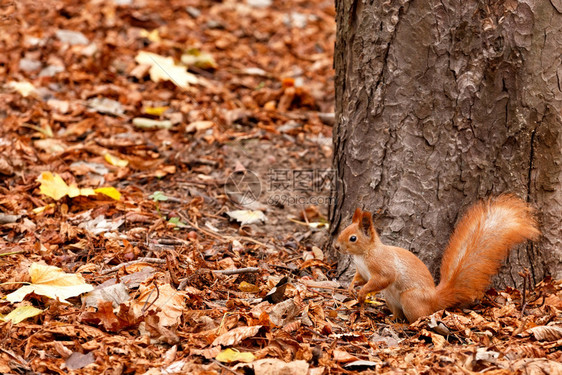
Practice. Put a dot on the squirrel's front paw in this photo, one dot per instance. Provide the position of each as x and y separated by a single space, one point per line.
362 295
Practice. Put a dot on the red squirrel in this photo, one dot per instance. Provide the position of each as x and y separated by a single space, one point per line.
476 250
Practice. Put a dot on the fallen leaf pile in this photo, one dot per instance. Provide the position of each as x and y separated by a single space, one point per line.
164 184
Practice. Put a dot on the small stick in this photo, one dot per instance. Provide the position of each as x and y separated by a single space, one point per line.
238 271
316 333
224 367
140 260
218 236
145 307
526 276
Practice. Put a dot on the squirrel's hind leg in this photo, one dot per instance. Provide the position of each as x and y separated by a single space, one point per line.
393 303
397 312
416 303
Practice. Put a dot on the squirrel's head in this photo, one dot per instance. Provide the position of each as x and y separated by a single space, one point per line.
359 236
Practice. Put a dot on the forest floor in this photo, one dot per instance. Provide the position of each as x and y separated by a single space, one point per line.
164 183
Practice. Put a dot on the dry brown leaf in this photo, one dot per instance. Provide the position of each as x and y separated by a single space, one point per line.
343 356
110 321
554 300
236 335
272 366
537 366
208 353
546 333
437 340
198 126
153 328
170 355
168 300
284 312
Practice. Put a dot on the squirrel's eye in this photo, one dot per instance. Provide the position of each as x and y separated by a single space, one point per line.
352 239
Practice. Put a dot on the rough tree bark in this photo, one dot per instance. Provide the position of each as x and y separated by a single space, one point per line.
442 103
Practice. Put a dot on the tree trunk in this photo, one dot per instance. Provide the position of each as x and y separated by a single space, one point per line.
442 103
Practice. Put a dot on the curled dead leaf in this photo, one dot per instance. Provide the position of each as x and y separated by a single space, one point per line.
236 335
343 356
546 333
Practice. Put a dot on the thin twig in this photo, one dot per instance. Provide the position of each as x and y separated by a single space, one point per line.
171 241
526 276
222 238
524 302
137 261
316 333
224 367
12 253
238 271
145 307
208 233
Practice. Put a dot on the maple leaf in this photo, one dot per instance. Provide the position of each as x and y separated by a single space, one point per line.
110 321
165 69
52 185
52 282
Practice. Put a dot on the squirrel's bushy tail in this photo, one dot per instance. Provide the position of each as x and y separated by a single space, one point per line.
479 245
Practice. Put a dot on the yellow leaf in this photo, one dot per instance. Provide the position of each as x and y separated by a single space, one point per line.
46 130
153 36
231 355
247 287
38 210
21 313
199 59
111 192
52 186
75 191
51 282
372 300
155 111
114 160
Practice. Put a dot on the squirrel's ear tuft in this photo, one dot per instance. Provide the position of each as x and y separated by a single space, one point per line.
367 223
356 215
